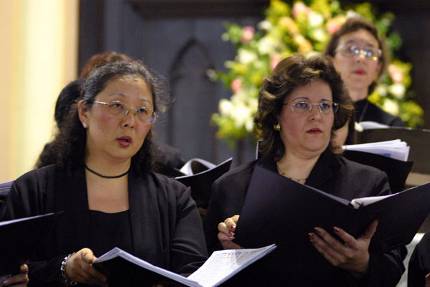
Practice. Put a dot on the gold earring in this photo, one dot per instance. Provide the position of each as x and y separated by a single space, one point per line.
277 127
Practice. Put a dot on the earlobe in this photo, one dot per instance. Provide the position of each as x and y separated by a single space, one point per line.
82 113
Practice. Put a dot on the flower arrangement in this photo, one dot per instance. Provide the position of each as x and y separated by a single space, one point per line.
304 28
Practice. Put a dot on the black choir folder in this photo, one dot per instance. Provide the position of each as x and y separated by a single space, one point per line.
279 210
220 266
20 237
397 170
199 175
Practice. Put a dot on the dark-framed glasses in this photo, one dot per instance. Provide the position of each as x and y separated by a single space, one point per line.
118 108
304 106
352 50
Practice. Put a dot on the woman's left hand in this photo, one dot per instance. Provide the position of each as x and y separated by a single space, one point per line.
19 280
352 254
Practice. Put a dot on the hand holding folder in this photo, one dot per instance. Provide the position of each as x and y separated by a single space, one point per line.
291 210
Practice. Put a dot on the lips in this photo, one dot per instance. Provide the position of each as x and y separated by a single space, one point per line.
314 131
124 141
360 72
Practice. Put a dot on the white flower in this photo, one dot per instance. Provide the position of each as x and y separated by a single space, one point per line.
246 57
225 107
398 90
319 35
240 115
315 19
265 25
381 90
266 46
352 14
391 107
249 125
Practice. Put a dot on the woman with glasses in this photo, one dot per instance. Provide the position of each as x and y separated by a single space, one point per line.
104 184
360 57
300 106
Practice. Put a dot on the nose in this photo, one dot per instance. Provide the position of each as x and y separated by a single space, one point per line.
129 119
315 112
360 57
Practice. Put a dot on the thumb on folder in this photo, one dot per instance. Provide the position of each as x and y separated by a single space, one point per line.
227 231
79 268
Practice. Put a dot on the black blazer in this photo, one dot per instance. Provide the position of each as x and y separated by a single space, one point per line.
332 174
166 227
366 111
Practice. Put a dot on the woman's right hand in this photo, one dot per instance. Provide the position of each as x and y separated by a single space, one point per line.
226 232
79 268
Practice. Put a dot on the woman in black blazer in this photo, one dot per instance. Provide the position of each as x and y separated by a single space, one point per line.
300 106
103 181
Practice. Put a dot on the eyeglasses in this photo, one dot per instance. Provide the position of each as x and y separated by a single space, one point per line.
351 50
302 106
117 108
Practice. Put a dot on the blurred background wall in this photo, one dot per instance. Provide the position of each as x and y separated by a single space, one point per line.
38 52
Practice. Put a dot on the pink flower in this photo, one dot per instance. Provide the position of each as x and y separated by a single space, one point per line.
247 34
300 8
274 60
236 85
395 73
333 25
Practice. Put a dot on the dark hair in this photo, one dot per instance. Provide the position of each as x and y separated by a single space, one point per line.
355 24
288 75
71 140
67 97
101 59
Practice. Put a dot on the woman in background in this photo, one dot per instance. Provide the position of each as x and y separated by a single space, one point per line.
360 57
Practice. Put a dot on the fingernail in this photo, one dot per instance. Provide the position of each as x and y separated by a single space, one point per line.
336 229
318 230
311 236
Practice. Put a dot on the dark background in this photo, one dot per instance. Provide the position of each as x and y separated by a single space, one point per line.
181 39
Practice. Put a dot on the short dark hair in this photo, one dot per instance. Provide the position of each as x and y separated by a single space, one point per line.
71 141
354 24
288 75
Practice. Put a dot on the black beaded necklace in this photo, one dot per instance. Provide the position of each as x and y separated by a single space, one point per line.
106 176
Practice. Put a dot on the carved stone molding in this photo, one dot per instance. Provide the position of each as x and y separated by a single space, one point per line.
200 8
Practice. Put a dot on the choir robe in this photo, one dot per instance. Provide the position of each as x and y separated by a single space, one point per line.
165 225
333 174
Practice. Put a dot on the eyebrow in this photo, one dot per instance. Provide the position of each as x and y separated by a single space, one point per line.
307 99
360 42
142 98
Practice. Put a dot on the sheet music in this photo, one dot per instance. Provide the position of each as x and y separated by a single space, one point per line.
363 201
187 168
220 266
224 264
396 149
117 252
